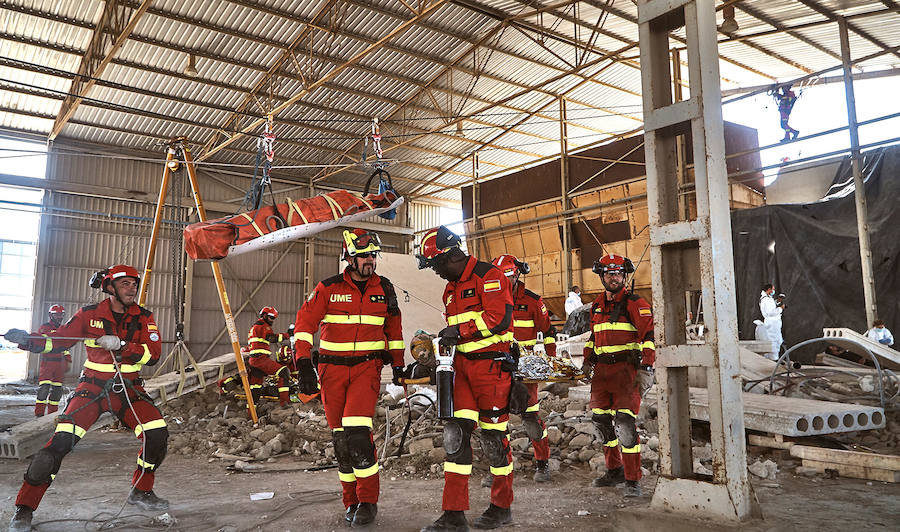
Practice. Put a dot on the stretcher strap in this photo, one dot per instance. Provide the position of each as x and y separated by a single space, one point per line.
253 223
294 208
335 207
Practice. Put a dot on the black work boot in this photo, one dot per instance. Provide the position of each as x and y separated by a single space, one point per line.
449 521
21 522
147 500
365 514
493 517
632 488
611 478
351 510
541 471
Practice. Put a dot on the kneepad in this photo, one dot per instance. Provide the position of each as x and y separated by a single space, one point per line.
342 451
492 445
156 445
362 450
46 462
457 436
533 426
604 423
626 429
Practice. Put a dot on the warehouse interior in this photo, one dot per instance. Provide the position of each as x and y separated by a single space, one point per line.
555 131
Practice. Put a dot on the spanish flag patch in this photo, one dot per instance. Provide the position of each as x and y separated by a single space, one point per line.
151 327
492 286
644 312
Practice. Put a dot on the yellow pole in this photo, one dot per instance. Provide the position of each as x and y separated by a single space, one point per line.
151 250
220 285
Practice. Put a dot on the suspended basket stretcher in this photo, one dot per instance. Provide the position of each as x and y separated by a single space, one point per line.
271 225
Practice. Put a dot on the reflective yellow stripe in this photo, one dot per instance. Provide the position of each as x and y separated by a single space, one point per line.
475 345
502 471
476 316
493 426
147 356
396 344
523 323
150 425
253 386
44 382
632 450
338 429
53 402
71 428
549 340
254 339
544 434
461 469
48 345
52 477
602 411
367 472
633 346
351 346
648 345
283 389
626 411
356 421
353 319
466 414
91 343
612 443
346 477
533 408
41 401
57 384
305 336
265 351
589 344
145 465
109 368
527 343
614 326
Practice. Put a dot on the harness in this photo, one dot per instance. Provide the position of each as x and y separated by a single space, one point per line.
632 357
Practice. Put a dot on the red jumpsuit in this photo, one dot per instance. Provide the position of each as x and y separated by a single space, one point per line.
361 331
530 317
622 340
97 392
50 376
480 303
260 338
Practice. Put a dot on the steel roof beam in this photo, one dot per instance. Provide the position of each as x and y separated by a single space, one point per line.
831 15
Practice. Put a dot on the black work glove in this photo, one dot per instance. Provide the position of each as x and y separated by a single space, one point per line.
399 373
449 335
518 397
309 381
16 336
587 367
635 358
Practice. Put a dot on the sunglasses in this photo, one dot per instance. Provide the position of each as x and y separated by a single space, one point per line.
366 255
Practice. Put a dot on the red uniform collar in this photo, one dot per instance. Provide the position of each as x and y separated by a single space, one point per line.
467 271
104 309
518 291
618 297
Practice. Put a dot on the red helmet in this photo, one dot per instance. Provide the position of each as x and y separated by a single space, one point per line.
114 272
613 263
57 308
436 242
268 311
360 241
510 265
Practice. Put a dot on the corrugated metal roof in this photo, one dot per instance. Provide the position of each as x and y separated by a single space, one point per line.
513 78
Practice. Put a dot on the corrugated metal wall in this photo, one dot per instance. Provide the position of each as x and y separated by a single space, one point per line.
74 244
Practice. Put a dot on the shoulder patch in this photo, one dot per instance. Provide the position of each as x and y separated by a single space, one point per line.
334 279
491 286
531 294
645 312
481 268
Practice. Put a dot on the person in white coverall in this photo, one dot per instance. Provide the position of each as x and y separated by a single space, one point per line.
573 302
879 333
771 313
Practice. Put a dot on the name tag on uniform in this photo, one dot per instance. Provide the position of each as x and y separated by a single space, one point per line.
468 292
377 298
521 307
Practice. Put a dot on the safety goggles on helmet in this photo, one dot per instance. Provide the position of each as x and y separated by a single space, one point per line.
435 243
511 266
102 278
359 243
269 312
613 264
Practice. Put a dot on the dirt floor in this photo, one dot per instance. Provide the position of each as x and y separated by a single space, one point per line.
95 478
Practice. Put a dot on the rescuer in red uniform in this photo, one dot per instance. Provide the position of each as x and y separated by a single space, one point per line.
52 368
121 338
479 311
530 317
621 354
361 331
260 338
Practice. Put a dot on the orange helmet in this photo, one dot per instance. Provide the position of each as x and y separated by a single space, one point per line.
510 265
358 242
613 263
268 311
436 242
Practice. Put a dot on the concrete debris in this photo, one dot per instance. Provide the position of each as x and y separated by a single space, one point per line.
167 520
766 470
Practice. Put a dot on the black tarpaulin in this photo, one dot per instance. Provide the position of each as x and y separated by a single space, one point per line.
810 252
